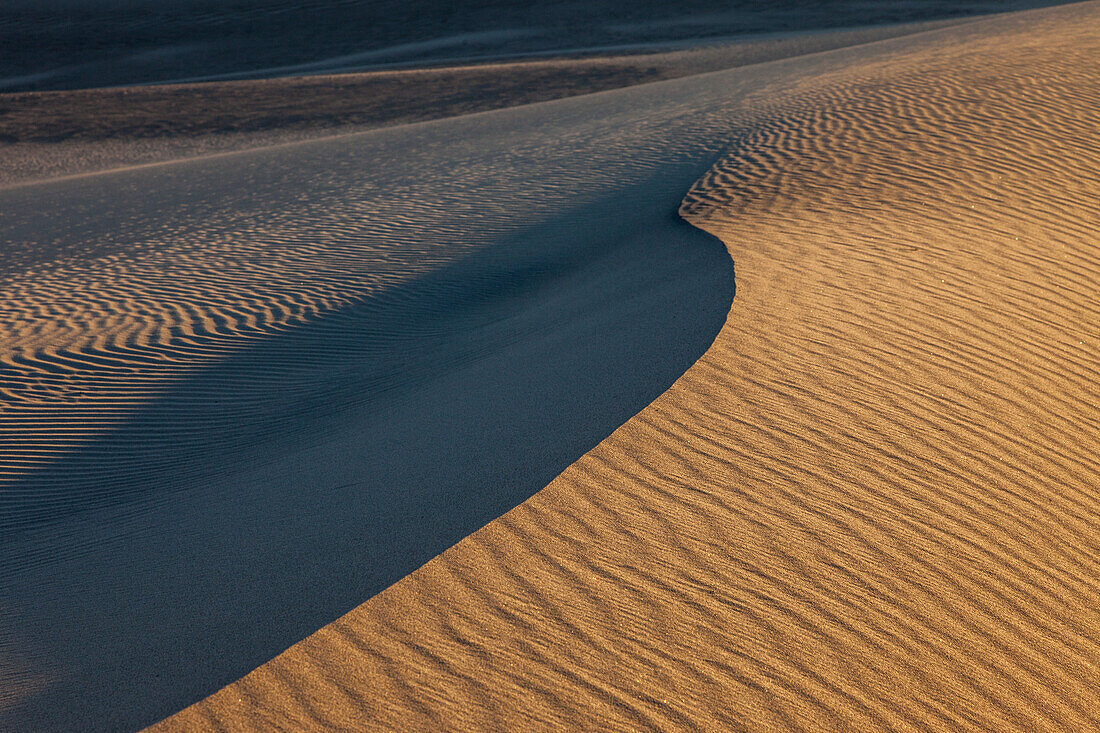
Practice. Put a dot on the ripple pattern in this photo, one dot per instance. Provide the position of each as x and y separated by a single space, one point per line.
872 505
236 366
113 304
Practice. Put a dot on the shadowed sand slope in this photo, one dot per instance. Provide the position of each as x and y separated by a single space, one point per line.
871 505
241 395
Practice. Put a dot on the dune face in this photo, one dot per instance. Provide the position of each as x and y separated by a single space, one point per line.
871 505
243 394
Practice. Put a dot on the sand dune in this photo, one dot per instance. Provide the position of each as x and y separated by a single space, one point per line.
262 394
871 505
242 394
46 135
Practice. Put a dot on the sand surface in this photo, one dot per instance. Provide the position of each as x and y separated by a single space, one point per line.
47 135
245 393
871 505
242 394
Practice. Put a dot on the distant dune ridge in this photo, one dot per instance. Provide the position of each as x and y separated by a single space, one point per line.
416 61
46 135
70 44
871 505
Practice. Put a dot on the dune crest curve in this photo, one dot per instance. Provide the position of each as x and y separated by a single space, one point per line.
869 506
243 394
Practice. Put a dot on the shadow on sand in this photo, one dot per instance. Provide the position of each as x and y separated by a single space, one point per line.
276 490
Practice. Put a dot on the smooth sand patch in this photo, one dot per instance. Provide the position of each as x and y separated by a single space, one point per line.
870 506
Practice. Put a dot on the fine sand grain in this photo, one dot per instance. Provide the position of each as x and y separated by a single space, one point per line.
871 505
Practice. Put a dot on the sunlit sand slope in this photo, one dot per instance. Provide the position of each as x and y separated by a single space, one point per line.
872 505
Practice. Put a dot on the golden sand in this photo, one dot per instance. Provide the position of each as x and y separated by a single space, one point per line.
871 505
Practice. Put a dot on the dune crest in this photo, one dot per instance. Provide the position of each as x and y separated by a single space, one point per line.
256 386
870 505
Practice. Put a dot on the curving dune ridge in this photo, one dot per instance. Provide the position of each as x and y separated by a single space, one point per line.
244 393
871 505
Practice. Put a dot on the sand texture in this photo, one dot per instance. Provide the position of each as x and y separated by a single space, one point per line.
245 393
46 135
316 435
870 505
